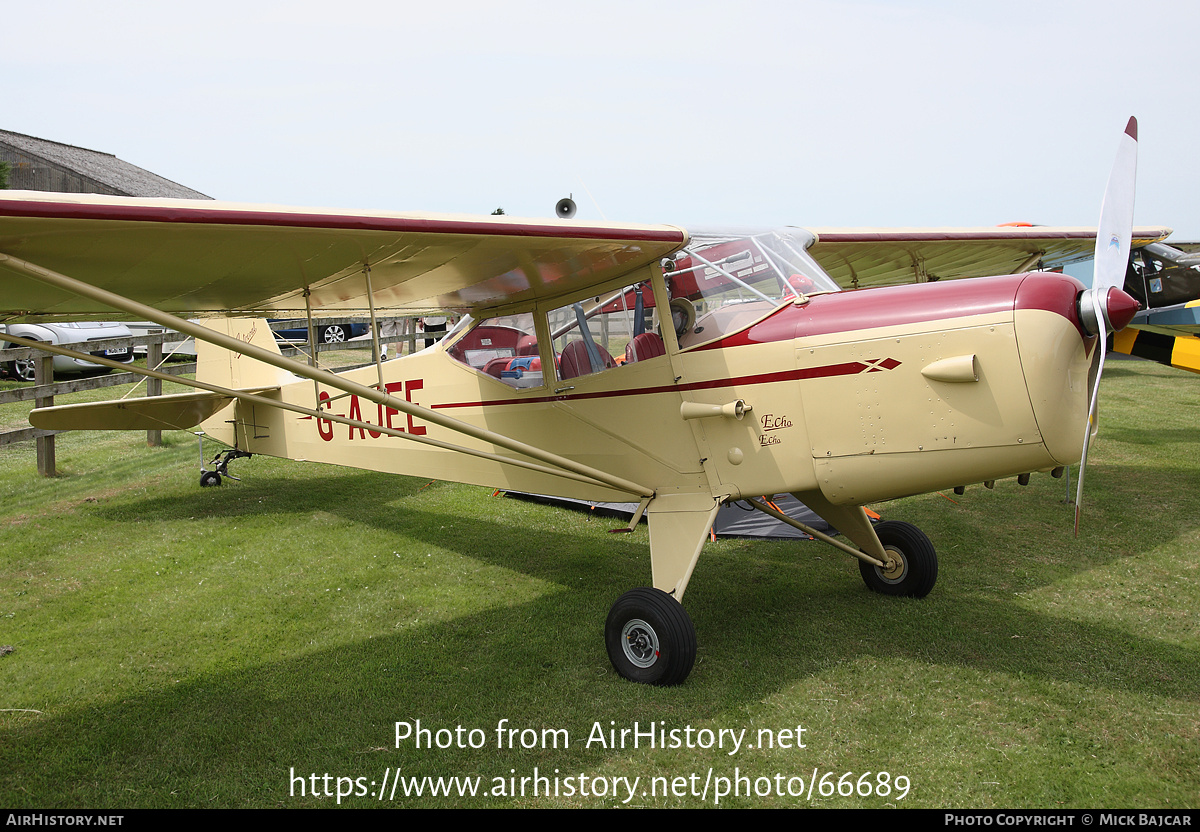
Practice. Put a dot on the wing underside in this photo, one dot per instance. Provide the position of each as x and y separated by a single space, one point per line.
194 257
861 257
199 257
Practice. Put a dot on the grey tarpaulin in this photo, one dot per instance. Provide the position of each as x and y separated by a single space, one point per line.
733 520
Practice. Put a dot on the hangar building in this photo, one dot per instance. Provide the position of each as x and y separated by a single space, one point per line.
42 165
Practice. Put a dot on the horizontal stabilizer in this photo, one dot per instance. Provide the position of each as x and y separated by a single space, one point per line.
177 412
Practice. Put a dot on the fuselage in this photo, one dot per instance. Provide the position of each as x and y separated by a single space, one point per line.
862 396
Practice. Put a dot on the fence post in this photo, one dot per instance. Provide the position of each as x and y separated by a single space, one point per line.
154 385
43 374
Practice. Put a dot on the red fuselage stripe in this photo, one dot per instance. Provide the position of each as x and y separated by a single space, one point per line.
846 369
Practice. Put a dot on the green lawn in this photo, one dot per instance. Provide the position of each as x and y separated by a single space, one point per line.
179 647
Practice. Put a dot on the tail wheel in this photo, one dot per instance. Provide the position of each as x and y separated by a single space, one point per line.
913 568
650 638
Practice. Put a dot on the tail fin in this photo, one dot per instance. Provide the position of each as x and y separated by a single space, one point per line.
217 365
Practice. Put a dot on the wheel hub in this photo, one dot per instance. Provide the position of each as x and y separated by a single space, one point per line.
24 369
893 567
640 642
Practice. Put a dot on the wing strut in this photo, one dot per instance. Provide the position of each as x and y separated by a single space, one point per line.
811 532
142 311
376 355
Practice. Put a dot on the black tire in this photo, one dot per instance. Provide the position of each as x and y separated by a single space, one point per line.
209 479
333 334
916 570
650 638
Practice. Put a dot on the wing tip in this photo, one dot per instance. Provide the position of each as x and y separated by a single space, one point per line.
1131 128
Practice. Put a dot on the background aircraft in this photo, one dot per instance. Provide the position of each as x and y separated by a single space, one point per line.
1165 279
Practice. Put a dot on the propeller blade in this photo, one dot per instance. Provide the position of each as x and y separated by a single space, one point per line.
1093 424
1116 215
1111 261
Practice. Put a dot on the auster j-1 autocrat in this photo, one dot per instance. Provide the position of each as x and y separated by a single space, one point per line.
606 362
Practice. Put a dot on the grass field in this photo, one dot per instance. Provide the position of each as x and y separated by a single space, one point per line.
179 647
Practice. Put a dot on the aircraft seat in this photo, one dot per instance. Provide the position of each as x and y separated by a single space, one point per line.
575 361
646 345
497 366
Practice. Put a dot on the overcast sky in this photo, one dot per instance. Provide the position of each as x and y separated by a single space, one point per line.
803 113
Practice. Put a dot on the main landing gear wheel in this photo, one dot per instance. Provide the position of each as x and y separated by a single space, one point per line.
650 638
913 570
209 479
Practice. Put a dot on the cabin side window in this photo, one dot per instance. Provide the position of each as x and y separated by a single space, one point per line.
600 333
505 348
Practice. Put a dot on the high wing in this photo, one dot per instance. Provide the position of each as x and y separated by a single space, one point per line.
860 257
197 257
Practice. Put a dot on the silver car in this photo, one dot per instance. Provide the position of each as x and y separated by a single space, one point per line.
67 333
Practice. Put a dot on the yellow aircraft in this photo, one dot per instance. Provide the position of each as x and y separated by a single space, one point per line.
1165 280
606 362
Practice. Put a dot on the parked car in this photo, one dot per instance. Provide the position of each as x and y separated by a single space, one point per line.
174 344
67 333
332 333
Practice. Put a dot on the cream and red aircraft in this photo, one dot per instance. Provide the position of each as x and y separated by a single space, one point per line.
676 369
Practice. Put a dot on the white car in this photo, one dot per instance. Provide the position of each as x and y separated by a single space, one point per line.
174 344
66 333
